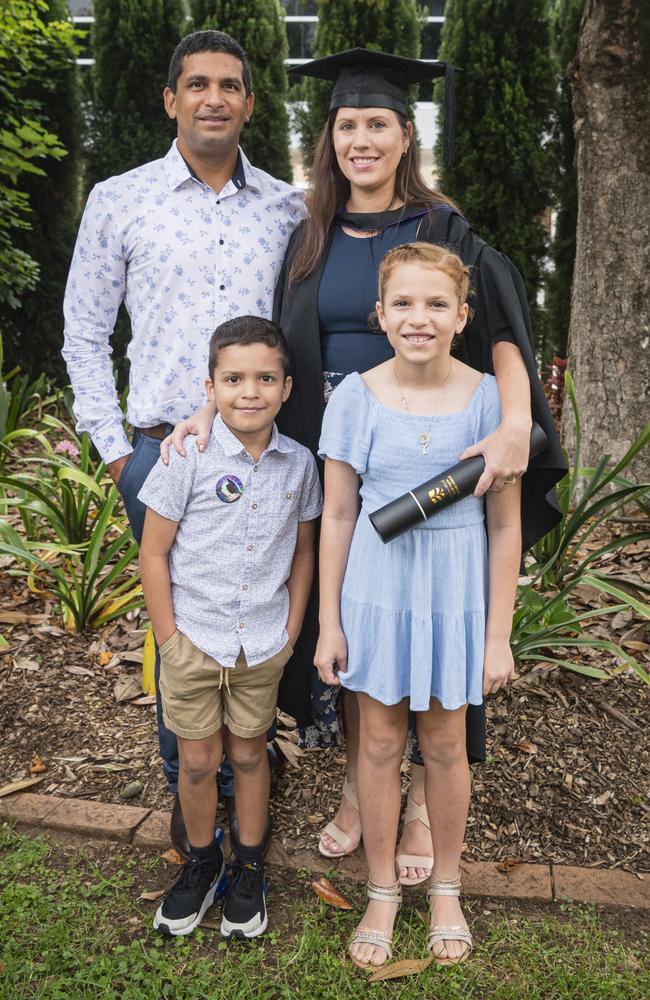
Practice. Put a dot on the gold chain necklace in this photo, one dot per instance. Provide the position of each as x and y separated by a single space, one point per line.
425 437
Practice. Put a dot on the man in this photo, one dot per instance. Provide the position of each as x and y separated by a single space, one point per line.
186 242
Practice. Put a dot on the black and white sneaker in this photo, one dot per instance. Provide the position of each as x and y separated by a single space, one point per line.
192 894
244 911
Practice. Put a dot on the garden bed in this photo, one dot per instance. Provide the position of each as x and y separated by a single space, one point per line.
568 757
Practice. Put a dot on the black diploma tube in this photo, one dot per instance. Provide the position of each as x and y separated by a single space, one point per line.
449 487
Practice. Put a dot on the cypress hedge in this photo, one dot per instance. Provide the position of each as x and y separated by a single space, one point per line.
505 97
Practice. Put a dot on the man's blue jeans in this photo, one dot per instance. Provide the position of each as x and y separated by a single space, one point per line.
146 451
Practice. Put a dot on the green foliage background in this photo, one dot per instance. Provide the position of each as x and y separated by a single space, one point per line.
386 25
505 96
260 30
34 50
34 332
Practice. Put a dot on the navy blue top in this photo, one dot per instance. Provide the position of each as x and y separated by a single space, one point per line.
347 296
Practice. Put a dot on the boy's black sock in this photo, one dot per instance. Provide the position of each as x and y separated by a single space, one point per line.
250 855
210 853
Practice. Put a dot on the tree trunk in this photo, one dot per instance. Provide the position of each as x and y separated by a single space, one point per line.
609 338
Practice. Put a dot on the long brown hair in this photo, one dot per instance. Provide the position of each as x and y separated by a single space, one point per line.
329 189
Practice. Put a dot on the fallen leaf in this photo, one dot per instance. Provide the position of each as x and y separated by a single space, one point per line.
134 656
51 630
132 789
210 925
71 668
17 786
329 894
507 865
151 897
395 970
24 663
602 800
37 765
126 688
525 746
633 644
20 618
104 657
146 699
173 857
4 644
3 968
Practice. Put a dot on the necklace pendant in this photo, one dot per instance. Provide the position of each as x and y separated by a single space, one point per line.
424 441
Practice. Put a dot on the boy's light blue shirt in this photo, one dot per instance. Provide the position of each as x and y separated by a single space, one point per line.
237 527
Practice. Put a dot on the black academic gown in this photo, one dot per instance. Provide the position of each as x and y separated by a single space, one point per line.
500 313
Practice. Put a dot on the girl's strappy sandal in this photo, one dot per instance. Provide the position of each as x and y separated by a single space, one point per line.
336 833
440 932
366 935
412 813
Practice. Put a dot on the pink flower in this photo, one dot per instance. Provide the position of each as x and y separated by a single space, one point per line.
66 448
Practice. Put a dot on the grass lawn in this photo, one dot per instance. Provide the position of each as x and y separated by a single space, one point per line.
73 928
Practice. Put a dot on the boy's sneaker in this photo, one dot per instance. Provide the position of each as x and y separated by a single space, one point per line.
244 911
193 893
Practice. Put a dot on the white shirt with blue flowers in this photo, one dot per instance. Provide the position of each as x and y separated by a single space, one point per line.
183 258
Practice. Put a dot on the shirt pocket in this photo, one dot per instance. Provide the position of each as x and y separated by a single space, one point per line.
283 507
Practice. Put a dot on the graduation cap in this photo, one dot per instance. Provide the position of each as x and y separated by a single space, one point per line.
364 78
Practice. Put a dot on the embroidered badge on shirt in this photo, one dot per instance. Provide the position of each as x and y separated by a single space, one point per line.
229 488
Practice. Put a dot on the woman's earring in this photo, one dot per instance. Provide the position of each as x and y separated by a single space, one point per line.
405 151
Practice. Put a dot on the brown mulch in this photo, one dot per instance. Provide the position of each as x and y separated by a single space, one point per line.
566 780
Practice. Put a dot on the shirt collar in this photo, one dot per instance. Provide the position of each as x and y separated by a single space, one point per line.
231 445
178 170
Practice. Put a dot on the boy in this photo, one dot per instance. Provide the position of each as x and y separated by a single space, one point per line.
227 559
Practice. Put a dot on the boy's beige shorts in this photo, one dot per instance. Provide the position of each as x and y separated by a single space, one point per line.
199 696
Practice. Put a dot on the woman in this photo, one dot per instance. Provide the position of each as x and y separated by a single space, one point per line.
367 196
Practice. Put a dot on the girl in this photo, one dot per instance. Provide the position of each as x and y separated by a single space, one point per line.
405 624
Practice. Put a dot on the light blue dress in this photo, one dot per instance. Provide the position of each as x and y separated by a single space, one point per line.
413 610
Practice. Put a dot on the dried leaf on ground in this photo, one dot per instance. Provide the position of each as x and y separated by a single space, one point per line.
24 663
72 668
20 617
395 970
37 765
126 688
104 657
134 656
507 865
17 786
151 897
525 746
173 857
146 699
329 894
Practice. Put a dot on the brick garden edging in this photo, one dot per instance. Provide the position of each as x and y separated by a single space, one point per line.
143 827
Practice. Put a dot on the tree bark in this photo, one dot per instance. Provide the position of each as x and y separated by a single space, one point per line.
609 337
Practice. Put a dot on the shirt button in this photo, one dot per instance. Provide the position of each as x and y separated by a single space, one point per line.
222 288
221 242
254 468
244 586
289 495
241 624
254 506
218 201
249 548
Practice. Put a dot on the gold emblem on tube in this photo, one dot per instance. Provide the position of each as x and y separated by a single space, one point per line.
447 488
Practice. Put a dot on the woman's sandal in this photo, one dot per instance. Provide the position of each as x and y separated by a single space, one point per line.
414 812
336 833
366 935
441 932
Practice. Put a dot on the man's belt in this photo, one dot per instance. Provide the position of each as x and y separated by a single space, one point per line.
158 431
